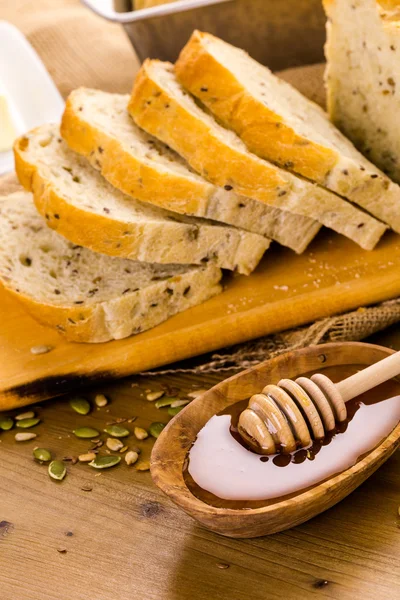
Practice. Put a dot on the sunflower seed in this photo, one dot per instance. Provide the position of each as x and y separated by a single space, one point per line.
41 349
26 415
143 466
101 400
117 431
25 437
86 432
26 423
6 424
222 566
123 449
165 402
154 396
140 433
180 403
57 470
114 444
196 393
89 456
42 454
156 428
131 457
80 405
105 462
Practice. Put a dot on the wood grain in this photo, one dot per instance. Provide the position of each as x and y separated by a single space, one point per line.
332 276
129 541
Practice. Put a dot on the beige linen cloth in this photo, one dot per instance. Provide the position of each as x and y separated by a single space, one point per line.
81 49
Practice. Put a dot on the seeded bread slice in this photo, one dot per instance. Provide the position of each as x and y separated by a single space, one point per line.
161 107
78 203
97 125
279 124
363 76
90 297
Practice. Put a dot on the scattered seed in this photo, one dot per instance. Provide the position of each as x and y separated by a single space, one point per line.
6 424
123 449
222 566
132 419
140 433
117 431
86 432
180 403
174 411
80 405
196 393
42 454
101 400
25 437
74 460
26 415
165 402
57 470
88 457
156 428
143 466
41 349
26 423
114 444
154 396
86 487
131 457
105 462
62 550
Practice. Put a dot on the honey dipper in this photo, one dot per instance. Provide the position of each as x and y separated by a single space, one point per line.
288 416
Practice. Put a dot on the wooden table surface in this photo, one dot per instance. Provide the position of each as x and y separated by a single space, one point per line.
124 540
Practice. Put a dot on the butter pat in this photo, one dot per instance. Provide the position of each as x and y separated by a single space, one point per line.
7 130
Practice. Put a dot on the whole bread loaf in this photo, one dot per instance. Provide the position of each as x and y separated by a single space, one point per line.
278 123
160 106
97 125
90 297
78 203
363 77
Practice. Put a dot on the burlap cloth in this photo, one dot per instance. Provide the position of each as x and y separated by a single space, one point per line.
81 49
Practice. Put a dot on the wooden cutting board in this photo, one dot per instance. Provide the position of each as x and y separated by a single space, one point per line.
332 276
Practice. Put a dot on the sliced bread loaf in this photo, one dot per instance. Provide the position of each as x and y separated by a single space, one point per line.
363 76
160 105
87 296
97 125
277 123
78 203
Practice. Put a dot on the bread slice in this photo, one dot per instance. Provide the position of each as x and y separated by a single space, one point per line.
87 296
279 124
97 125
165 110
78 203
363 76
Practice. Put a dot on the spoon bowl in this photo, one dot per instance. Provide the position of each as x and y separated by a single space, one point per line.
170 452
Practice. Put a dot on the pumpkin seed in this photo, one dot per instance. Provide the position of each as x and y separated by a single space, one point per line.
167 401
6 424
117 431
101 400
80 405
174 411
87 457
154 396
114 444
26 415
57 470
26 423
140 433
143 466
41 349
131 457
86 432
156 428
180 403
42 454
25 437
105 462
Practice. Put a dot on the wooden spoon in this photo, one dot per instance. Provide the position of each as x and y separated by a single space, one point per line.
171 449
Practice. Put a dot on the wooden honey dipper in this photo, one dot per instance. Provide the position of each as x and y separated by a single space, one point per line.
288 416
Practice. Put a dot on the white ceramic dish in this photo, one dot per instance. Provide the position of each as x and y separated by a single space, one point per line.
30 93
